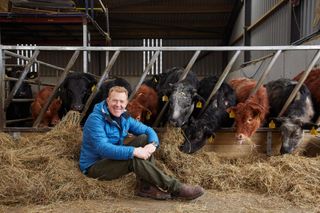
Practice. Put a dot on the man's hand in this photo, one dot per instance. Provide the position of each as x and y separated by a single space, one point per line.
141 152
150 148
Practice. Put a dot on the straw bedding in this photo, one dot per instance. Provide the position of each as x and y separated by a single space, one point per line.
43 168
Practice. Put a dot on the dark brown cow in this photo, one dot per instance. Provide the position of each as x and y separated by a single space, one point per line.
51 117
251 111
144 105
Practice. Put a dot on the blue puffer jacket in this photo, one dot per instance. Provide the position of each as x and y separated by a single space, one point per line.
103 137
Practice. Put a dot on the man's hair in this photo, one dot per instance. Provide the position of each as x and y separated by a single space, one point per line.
118 89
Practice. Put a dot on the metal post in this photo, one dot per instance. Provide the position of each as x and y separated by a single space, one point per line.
266 72
101 80
145 72
300 82
60 81
221 79
85 44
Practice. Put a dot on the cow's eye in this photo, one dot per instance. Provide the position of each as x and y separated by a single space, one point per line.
249 120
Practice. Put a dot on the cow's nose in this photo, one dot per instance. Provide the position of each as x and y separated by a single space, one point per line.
77 107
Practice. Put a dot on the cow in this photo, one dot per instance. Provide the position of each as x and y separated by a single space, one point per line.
50 117
251 110
181 95
18 110
75 91
198 130
296 117
144 105
313 84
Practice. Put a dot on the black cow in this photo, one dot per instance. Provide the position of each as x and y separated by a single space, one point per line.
18 110
198 130
297 116
75 91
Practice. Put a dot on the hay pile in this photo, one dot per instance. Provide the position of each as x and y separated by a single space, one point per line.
43 169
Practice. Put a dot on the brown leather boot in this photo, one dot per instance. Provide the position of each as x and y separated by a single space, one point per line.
147 190
189 192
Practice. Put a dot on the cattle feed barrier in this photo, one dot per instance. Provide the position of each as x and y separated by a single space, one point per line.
7 50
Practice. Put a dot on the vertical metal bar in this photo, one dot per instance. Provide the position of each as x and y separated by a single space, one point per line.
266 72
160 66
2 90
60 81
183 76
85 43
269 143
101 80
144 55
221 79
145 72
300 82
21 78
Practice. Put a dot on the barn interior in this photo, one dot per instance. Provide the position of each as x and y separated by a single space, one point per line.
260 40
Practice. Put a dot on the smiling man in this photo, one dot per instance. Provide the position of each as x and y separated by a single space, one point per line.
105 156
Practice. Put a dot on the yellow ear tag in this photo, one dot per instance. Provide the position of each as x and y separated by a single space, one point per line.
93 88
313 131
165 98
272 125
148 115
231 114
199 104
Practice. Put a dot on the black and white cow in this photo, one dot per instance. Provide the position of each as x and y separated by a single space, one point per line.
198 130
18 110
297 116
181 95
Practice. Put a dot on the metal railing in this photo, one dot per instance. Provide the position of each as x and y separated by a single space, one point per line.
7 50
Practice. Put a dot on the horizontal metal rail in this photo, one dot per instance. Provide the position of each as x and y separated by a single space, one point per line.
193 48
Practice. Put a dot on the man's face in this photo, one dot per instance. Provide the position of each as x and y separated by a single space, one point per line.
117 102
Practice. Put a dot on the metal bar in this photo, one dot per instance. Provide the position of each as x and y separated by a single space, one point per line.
221 80
145 73
164 48
101 80
269 143
22 100
266 72
85 44
300 82
55 89
183 76
21 78
190 64
18 120
28 81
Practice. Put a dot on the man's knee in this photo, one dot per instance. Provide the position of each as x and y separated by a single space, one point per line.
139 141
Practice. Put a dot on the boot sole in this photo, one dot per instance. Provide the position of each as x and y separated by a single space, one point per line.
141 194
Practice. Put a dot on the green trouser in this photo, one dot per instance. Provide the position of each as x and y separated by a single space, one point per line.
145 170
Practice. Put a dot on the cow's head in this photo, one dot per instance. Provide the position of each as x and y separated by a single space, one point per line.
24 91
291 132
77 88
248 118
196 133
139 112
181 103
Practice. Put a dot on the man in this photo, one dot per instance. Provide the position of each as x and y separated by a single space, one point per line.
104 155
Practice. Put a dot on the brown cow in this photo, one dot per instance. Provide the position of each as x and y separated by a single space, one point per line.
144 105
50 117
313 84
251 111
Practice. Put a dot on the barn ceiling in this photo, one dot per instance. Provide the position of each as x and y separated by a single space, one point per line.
127 19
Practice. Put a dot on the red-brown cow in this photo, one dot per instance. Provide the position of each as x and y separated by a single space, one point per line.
144 105
251 111
50 117
313 84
